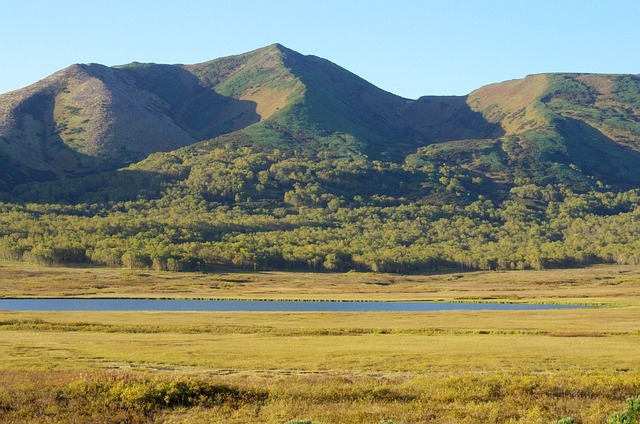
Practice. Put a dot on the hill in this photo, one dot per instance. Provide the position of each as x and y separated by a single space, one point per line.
91 118
273 159
577 129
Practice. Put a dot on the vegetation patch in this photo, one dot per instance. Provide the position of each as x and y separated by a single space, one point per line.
114 397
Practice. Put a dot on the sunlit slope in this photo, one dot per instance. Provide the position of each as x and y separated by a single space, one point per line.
581 130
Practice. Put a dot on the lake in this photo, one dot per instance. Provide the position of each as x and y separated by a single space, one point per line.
68 304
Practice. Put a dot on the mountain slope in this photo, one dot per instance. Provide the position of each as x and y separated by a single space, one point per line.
339 105
89 118
83 118
577 129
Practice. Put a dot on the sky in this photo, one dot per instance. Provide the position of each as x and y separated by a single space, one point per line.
408 47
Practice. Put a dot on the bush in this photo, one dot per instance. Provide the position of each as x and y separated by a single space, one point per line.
150 395
629 416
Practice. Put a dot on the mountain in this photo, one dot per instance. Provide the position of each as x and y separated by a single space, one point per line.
91 118
572 127
577 129
273 159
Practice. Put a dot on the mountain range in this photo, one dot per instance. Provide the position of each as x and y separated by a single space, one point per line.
276 160
582 130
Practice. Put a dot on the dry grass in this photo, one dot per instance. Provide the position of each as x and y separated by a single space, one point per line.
368 353
116 397
598 284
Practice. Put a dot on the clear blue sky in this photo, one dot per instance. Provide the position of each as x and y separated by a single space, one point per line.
408 47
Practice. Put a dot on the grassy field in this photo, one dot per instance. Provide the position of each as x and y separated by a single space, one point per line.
609 284
435 367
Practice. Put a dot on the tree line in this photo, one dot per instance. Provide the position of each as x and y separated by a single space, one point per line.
254 208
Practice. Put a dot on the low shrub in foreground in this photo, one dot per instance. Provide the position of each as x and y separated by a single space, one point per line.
114 398
629 416
141 398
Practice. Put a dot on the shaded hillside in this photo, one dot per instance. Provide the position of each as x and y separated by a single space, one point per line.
89 118
575 129
80 120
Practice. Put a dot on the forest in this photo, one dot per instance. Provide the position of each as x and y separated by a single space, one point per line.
236 205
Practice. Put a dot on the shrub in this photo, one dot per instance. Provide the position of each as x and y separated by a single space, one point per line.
629 416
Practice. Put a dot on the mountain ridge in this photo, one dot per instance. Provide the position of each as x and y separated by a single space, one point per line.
90 118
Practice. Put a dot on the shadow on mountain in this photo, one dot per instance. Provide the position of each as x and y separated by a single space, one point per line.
12 174
114 186
193 105
436 119
151 108
388 126
598 155
46 156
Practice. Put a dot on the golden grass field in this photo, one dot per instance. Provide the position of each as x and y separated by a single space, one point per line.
360 367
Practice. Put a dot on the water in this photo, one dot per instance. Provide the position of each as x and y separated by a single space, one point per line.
257 305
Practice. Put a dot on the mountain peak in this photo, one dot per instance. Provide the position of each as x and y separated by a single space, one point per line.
278 48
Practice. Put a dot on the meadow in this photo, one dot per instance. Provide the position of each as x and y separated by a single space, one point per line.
241 367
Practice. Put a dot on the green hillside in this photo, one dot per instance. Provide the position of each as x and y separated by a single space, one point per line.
273 159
